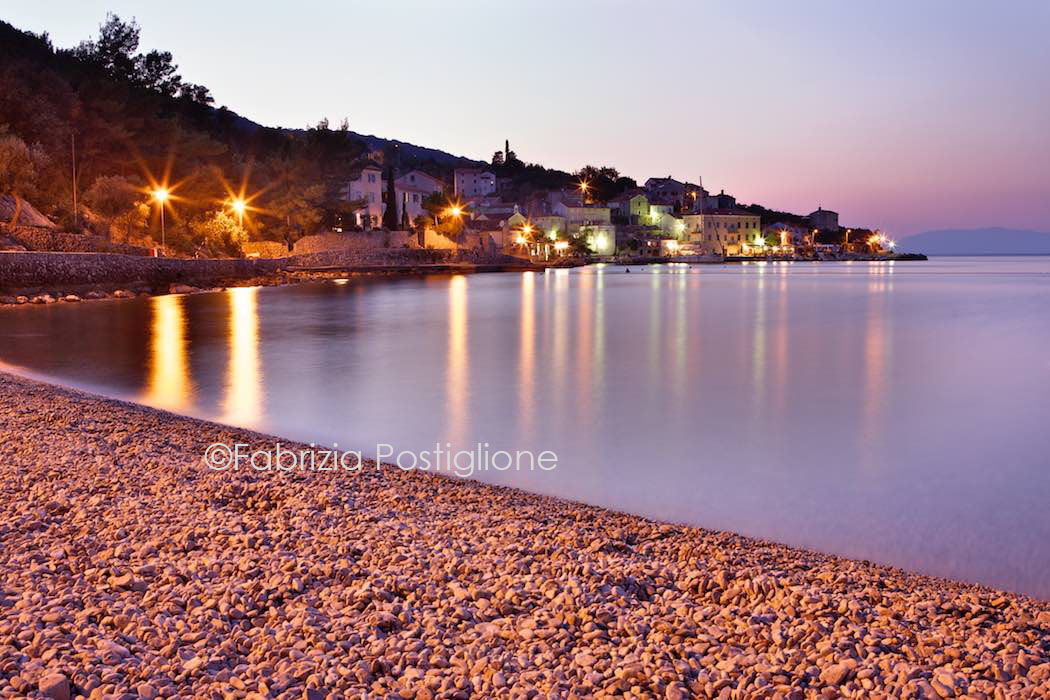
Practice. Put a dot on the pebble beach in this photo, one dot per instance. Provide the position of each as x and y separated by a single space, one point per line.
132 570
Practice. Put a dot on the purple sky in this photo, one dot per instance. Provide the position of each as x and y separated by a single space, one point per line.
903 115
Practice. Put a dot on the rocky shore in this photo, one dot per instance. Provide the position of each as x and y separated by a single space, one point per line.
129 569
48 277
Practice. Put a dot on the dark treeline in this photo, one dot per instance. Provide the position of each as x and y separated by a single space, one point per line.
136 125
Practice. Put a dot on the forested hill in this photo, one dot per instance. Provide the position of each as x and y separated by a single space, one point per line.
136 125
137 128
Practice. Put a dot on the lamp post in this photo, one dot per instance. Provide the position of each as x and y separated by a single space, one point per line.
239 206
161 195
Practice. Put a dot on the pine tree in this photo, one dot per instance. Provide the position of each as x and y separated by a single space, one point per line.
390 217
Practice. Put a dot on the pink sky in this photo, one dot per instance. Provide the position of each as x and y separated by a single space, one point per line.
908 116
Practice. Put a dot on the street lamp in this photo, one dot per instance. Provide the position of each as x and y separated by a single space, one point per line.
453 210
239 206
584 186
523 235
161 194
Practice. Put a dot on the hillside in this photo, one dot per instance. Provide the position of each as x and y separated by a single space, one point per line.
982 241
138 129
410 153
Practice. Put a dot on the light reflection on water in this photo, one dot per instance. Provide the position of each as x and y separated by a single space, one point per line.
890 412
244 384
169 384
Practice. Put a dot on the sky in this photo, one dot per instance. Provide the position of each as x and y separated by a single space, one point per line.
902 115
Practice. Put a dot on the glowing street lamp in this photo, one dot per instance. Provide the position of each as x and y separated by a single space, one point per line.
454 210
239 206
584 186
161 195
526 230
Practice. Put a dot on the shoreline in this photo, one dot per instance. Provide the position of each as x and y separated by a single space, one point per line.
129 566
80 290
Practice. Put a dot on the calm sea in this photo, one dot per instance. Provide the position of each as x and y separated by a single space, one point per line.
890 411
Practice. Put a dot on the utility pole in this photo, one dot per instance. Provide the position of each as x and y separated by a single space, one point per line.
73 144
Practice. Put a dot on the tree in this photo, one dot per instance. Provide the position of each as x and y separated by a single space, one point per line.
294 197
578 245
434 203
114 199
497 159
196 94
604 182
156 71
114 50
218 234
19 166
390 217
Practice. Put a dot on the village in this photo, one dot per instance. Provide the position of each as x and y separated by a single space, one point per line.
480 210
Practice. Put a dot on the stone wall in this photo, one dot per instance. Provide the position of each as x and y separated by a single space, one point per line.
399 257
46 271
266 249
33 272
355 241
39 238
434 240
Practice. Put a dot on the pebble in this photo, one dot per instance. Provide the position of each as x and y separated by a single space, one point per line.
54 686
134 572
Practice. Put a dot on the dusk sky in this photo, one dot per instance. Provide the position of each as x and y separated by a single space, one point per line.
902 115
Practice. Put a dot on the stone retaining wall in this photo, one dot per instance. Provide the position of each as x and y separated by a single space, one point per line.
31 272
355 241
265 249
44 271
399 256
41 239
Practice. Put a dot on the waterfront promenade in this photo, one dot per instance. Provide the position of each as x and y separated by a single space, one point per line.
129 568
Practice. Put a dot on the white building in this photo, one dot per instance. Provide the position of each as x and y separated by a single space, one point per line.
824 219
722 232
411 189
473 182
367 187
575 217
